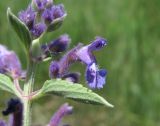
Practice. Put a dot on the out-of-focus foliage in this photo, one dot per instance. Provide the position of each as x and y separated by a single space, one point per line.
132 59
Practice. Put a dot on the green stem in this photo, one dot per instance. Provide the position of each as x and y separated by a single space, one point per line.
26 113
28 88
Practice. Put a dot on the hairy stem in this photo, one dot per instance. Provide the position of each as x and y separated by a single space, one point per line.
26 113
28 88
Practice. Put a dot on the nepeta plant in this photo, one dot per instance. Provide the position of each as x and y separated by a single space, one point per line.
41 17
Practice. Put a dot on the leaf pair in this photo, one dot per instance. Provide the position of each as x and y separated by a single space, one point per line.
60 87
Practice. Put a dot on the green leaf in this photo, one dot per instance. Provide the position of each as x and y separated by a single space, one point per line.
6 84
20 28
56 24
72 91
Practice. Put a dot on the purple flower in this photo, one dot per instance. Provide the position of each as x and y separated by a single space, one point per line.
85 53
28 16
55 12
57 117
14 109
54 69
9 63
95 77
42 4
57 46
47 16
38 29
2 123
58 11
58 69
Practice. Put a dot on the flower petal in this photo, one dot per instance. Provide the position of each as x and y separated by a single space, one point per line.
97 44
28 16
2 123
9 63
38 29
57 117
95 77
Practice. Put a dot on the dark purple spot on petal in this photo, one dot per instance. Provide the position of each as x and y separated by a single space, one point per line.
102 72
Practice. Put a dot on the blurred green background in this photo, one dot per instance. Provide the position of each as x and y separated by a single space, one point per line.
131 58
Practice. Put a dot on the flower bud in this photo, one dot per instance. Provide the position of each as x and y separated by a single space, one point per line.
56 46
38 29
58 11
62 111
41 5
97 44
54 70
28 17
53 13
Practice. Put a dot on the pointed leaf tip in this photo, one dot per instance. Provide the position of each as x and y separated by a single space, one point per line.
6 84
73 91
20 28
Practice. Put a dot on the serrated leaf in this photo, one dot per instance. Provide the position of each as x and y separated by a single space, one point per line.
6 84
56 24
72 91
20 28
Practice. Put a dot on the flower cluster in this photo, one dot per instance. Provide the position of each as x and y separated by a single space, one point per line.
44 16
10 63
95 77
40 15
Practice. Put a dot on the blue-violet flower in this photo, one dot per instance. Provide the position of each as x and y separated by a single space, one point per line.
42 4
10 63
57 117
56 46
59 69
2 123
38 29
95 77
28 16
53 13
